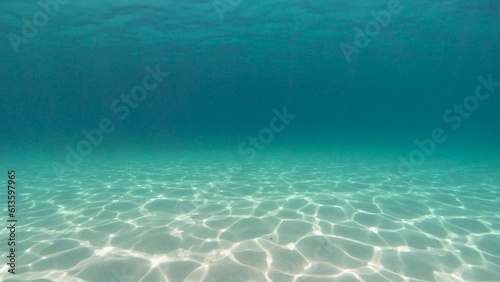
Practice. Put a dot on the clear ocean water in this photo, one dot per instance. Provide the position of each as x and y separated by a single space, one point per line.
237 140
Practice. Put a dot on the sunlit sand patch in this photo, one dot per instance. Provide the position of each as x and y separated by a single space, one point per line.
295 222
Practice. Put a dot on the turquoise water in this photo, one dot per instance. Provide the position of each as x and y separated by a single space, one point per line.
244 141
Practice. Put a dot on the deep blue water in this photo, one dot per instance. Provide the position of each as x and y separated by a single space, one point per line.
227 75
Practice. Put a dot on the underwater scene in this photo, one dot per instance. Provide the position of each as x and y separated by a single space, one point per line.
239 140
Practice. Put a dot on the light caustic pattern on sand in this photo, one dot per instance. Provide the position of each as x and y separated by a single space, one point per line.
311 219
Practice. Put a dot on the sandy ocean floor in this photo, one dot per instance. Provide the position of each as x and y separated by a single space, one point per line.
307 217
